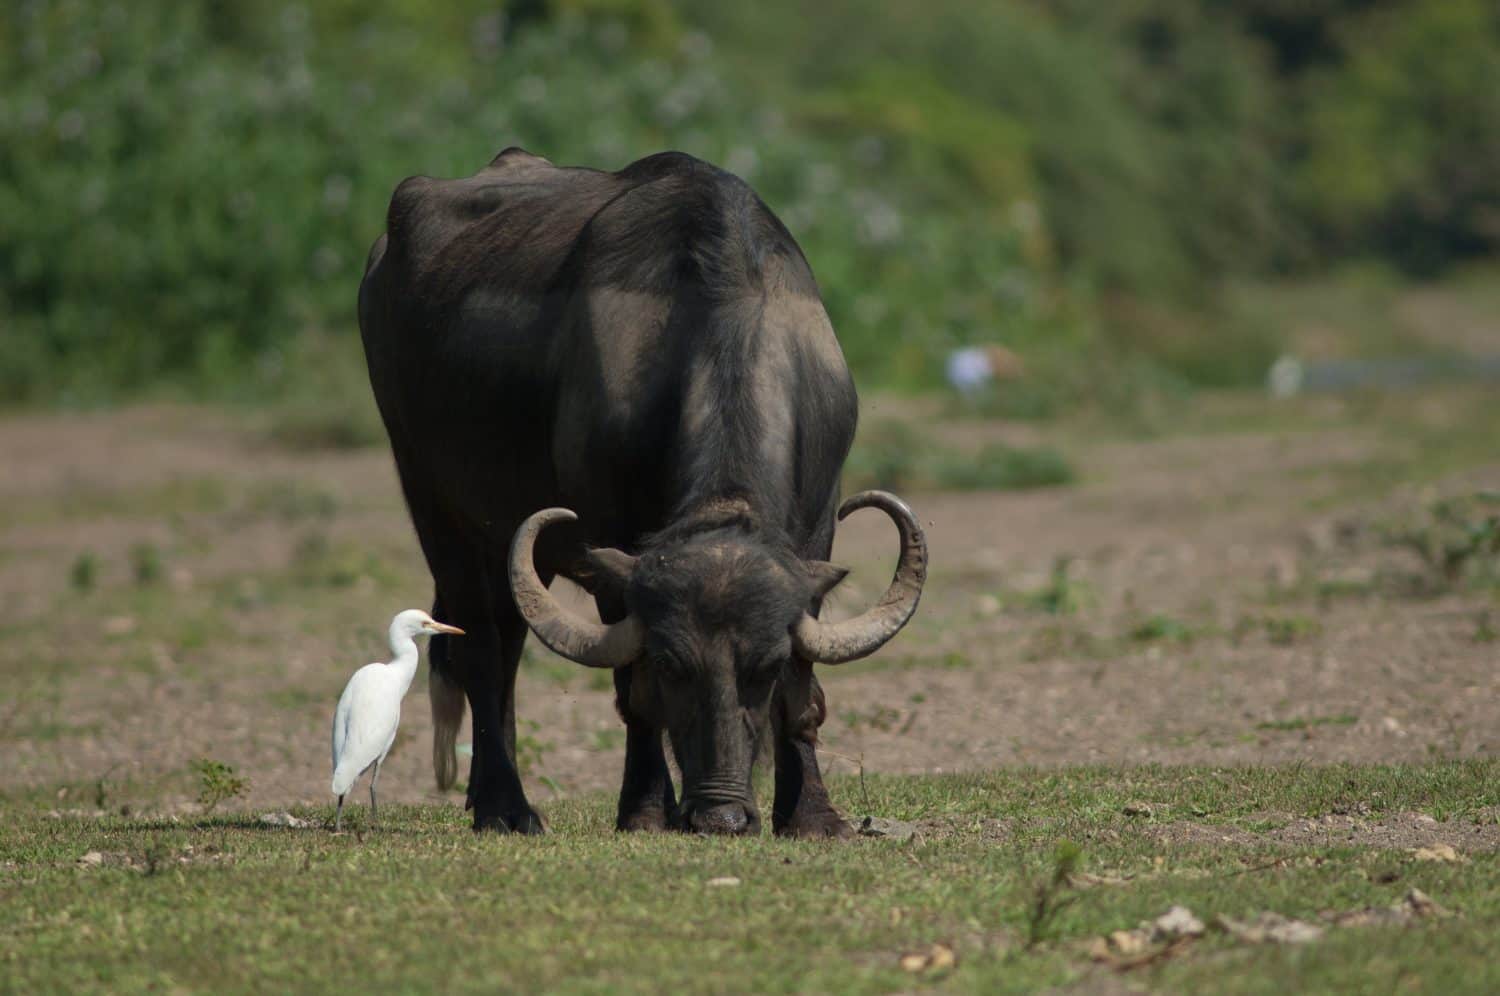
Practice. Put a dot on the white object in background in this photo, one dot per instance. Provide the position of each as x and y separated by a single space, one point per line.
1285 377
970 369
364 725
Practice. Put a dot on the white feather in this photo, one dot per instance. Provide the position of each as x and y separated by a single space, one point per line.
365 722
369 711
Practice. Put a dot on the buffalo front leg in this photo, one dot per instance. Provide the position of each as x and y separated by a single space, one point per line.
495 791
802 807
647 798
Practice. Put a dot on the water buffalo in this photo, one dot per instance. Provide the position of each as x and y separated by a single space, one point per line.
627 379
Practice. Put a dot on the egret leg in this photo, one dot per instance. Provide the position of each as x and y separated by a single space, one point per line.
373 779
338 820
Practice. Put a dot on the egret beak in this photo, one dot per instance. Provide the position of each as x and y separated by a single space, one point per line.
438 627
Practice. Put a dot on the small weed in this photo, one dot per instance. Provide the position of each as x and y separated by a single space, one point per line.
878 717
84 573
1067 640
290 502
154 857
294 698
1305 723
1455 537
1484 629
217 782
346 425
101 789
998 467
1062 595
1282 631
1052 894
888 455
318 563
145 564
529 748
1160 627
895 455
609 740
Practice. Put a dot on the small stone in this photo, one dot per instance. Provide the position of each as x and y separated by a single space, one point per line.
91 859
1084 880
1418 903
1128 942
1436 852
119 626
1176 922
282 820
724 882
1270 927
1138 809
987 605
938 958
880 826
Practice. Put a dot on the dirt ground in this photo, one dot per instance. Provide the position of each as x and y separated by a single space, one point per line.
173 586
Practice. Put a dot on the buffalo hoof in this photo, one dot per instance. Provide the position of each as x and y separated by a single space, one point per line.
823 824
646 819
731 819
525 821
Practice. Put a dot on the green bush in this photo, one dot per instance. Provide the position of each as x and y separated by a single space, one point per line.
190 191
998 467
897 455
1403 138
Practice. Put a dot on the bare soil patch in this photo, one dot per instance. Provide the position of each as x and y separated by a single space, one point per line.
1192 624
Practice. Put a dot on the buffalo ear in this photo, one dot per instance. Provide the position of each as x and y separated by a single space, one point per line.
824 577
606 569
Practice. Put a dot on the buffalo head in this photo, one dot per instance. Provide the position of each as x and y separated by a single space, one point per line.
716 618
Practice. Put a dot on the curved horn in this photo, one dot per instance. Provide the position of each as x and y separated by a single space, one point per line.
838 643
581 640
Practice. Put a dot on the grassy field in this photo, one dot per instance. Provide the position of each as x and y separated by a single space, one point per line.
420 903
1227 654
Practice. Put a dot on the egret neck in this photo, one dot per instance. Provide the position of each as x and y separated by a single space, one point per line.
404 653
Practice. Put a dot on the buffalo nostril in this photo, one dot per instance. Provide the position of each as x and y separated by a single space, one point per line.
728 819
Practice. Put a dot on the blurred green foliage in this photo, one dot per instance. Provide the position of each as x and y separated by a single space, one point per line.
188 190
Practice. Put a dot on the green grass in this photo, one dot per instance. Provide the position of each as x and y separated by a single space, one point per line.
900 455
422 904
1308 722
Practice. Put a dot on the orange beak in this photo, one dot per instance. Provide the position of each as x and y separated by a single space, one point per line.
438 627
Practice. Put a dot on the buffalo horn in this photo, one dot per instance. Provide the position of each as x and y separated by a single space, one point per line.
838 643
580 640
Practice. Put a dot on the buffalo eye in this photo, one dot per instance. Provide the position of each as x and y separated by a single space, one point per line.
669 667
765 669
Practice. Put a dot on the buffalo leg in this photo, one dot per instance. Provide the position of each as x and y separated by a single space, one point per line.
802 807
495 791
647 798
483 661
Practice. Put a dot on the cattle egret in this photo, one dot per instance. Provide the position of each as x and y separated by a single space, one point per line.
364 725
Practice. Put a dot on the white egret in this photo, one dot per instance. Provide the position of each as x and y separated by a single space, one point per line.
364 725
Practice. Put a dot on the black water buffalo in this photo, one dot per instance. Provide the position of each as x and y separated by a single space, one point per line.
627 379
